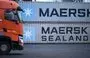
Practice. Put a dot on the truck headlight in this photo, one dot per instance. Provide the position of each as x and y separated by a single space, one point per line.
21 40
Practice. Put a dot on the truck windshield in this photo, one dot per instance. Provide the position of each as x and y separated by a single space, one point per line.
12 15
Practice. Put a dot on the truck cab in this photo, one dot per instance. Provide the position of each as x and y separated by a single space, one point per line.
11 28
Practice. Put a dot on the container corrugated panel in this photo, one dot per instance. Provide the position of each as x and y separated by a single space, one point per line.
65 12
56 33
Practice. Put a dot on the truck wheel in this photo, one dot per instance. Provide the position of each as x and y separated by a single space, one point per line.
5 48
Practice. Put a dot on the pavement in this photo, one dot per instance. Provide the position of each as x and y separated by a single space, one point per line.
51 51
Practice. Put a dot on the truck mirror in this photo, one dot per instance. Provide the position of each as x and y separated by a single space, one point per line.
20 9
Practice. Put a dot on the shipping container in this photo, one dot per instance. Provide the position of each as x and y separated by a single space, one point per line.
55 22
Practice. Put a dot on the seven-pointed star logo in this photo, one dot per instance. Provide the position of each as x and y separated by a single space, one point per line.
28 12
28 34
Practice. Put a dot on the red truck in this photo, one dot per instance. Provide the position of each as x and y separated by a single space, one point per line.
11 28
